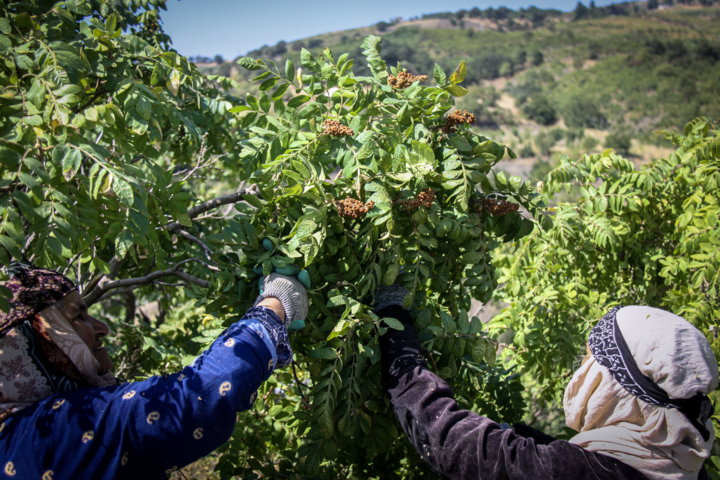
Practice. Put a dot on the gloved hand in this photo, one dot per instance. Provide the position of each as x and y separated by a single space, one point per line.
289 291
389 296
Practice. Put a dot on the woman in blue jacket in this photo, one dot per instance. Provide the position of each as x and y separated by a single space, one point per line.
63 416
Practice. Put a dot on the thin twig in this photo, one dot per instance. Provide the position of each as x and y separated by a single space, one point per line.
215 203
98 292
298 383
195 259
197 241
115 293
181 284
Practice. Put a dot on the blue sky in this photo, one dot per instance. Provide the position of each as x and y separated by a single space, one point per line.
233 27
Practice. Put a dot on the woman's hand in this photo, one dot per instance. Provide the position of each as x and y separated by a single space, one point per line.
275 305
389 296
288 292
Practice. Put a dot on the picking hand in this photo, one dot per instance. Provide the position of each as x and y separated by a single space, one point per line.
289 291
389 296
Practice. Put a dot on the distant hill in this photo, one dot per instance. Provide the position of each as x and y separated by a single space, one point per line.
617 72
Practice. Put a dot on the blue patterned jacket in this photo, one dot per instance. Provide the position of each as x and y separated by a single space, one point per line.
143 430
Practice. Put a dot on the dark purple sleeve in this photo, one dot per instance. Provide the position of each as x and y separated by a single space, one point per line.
461 445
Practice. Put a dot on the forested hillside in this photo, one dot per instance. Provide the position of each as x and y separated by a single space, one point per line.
547 81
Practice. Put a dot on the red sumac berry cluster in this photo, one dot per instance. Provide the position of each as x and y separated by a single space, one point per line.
424 198
336 129
458 117
404 80
495 206
349 207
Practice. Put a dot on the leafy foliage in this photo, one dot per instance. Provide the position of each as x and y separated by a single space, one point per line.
440 252
645 237
94 122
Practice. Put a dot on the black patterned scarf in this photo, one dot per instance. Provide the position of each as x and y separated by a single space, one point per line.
611 351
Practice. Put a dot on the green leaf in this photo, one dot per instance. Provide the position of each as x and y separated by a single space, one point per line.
250 63
456 90
265 102
461 143
280 91
299 100
448 324
307 59
157 74
459 74
110 22
325 353
472 258
12 247
501 180
478 350
269 83
439 75
123 243
252 102
490 354
393 323
9 158
253 200
143 107
124 192
289 70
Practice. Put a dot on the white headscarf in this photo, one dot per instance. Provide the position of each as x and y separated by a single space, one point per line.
659 442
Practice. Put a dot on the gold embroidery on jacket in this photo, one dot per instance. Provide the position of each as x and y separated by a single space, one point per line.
153 416
129 394
224 388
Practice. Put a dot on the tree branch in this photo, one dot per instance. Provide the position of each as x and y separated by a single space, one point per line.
194 259
95 291
197 241
99 291
215 203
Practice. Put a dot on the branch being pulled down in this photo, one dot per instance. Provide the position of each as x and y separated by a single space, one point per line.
175 271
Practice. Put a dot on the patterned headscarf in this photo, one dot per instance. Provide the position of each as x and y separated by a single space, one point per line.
40 353
34 289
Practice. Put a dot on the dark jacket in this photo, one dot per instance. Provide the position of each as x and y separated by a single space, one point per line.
461 445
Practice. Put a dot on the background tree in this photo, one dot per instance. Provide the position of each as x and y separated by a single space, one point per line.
580 12
620 141
539 109
647 237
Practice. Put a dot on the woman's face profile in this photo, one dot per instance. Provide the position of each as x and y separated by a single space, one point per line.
89 329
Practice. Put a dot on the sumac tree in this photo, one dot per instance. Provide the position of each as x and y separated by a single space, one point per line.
362 182
648 236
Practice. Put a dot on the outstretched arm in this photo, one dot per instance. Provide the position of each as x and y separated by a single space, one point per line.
145 429
142 430
461 445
